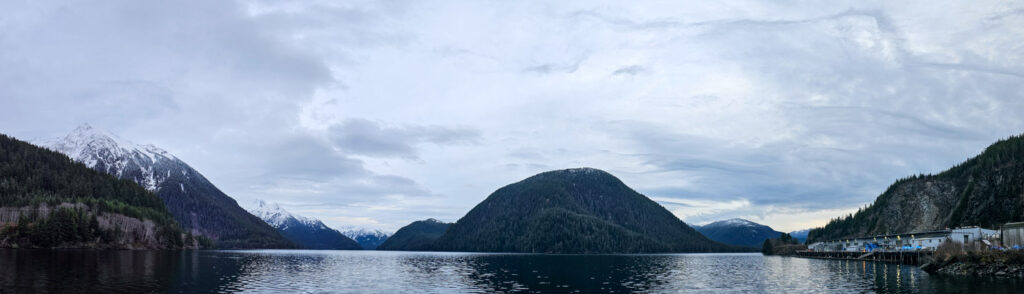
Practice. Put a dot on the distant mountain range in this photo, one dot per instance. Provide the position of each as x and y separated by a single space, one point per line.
739 232
308 233
368 239
983 191
195 203
417 236
49 201
580 210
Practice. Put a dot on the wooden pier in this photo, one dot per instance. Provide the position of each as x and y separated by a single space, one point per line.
901 257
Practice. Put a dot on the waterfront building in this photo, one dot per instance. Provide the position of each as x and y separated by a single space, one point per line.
914 240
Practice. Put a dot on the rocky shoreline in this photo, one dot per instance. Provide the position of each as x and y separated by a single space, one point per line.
983 270
1005 264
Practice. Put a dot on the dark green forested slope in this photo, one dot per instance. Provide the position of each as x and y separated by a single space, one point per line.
987 191
417 236
573 211
73 197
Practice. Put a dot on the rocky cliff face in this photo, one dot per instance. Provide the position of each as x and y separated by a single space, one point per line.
987 191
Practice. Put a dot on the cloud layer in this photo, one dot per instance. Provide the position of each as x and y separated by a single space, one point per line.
378 113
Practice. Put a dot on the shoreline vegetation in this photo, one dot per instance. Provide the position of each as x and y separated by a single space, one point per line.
784 245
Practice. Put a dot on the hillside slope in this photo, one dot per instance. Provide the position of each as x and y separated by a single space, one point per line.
986 191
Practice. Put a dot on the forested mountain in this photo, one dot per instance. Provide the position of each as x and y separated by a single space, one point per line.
417 236
369 239
581 210
306 232
739 232
49 201
195 203
984 191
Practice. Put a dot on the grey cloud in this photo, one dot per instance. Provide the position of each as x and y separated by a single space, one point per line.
549 68
630 70
306 158
369 138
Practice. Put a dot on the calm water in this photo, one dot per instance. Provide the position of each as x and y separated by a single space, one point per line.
415 272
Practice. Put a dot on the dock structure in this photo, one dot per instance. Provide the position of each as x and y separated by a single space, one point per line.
901 257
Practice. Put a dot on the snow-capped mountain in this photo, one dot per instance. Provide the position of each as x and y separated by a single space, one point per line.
109 153
309 233
739 232
277 217
369 239
195 203
800 235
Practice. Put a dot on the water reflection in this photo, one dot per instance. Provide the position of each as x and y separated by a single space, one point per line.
405 272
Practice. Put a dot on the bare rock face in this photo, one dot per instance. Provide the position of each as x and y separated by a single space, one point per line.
918 206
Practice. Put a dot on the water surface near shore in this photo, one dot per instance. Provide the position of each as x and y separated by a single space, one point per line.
287 271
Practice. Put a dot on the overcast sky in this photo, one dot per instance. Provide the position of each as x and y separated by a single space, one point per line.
377 113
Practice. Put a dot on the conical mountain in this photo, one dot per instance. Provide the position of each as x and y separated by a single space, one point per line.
581 210
199 206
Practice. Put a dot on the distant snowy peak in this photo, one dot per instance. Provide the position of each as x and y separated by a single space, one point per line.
735 222
273 214
356 233
800 234
109 153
